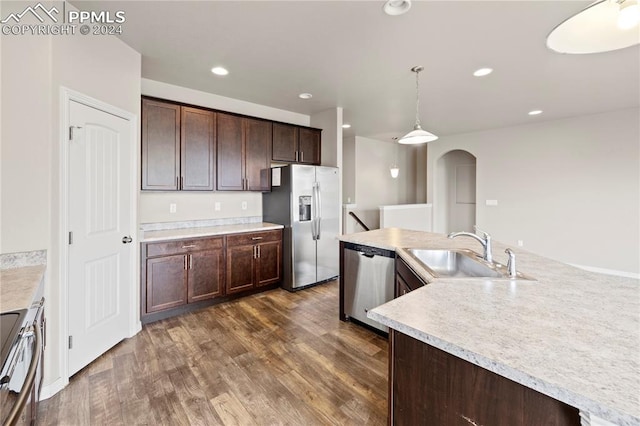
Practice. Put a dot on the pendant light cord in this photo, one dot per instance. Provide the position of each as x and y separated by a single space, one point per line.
417 71
418 97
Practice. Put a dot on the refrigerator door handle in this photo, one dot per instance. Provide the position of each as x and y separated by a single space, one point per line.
314 212
319 209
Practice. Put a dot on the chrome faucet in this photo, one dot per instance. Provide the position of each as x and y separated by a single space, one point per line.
485 241
511 263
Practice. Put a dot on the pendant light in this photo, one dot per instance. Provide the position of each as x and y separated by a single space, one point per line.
417 135
603 26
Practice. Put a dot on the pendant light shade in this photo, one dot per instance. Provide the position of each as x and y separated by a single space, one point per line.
603 26
418 134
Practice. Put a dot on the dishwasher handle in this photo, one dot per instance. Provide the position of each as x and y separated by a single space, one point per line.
369 255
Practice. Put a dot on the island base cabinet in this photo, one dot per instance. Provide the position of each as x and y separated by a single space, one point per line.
431 387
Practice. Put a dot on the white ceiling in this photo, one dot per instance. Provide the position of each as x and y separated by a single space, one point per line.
350 54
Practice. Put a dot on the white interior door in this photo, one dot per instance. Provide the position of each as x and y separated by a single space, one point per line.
100 181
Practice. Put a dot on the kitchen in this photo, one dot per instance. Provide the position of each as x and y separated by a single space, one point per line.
543 170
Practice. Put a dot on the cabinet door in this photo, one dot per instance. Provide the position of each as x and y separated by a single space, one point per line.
268 266
257 142
206 275
166 282
309 146
197 149
160 145
230 153
240 268
285 143
401 287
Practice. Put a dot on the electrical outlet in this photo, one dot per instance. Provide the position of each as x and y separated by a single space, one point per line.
216 206
520 243
172 208
244 205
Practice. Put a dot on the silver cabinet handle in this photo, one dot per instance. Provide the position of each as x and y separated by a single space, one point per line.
189 246
258 251
296 156
302 156
190 261
185 262
256 238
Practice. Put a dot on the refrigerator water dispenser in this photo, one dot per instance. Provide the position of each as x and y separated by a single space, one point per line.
304 207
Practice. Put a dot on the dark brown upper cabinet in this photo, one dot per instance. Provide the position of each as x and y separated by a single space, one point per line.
197 155
243 153
160 145
296 144
178 147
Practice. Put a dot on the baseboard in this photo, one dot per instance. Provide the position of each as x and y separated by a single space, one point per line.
51 389
608 271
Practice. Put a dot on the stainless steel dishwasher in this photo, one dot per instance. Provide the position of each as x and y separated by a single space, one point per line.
368 281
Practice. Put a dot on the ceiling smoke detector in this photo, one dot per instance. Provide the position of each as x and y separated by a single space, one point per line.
396 7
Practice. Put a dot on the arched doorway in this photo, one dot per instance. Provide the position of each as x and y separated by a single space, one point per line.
455 192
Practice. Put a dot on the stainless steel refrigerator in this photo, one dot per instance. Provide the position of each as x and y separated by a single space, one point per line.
306 200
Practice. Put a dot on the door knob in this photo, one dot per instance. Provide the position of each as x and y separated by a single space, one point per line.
126 240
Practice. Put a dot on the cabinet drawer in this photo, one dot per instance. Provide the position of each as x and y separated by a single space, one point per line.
183 246
253 238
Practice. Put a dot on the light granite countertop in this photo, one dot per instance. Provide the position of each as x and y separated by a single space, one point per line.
571 334
19 287
206 231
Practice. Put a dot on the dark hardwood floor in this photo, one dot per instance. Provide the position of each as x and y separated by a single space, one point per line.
267 359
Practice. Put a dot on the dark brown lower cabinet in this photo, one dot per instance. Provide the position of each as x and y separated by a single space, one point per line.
166 283
206 275
182 275
240 268
253 260
180 272
431 387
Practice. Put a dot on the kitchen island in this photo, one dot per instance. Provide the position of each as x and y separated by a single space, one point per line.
572 335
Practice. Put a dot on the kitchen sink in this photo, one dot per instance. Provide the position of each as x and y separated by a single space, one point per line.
460 264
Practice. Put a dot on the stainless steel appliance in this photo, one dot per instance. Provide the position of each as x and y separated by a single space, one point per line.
22 340
306 200
368 281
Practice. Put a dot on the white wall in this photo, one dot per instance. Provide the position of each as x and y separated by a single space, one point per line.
33 70
569 189
154 206
349 170
374 185
330 121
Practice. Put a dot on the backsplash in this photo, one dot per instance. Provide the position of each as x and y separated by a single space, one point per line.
22 259
161 226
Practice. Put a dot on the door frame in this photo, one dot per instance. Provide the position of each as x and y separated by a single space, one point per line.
66 96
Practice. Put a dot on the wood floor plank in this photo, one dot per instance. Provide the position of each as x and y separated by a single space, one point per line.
231 410
274 358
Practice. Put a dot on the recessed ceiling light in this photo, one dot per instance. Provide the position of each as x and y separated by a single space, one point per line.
482 72
535 112
396 7
219 71
346 126
305 96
